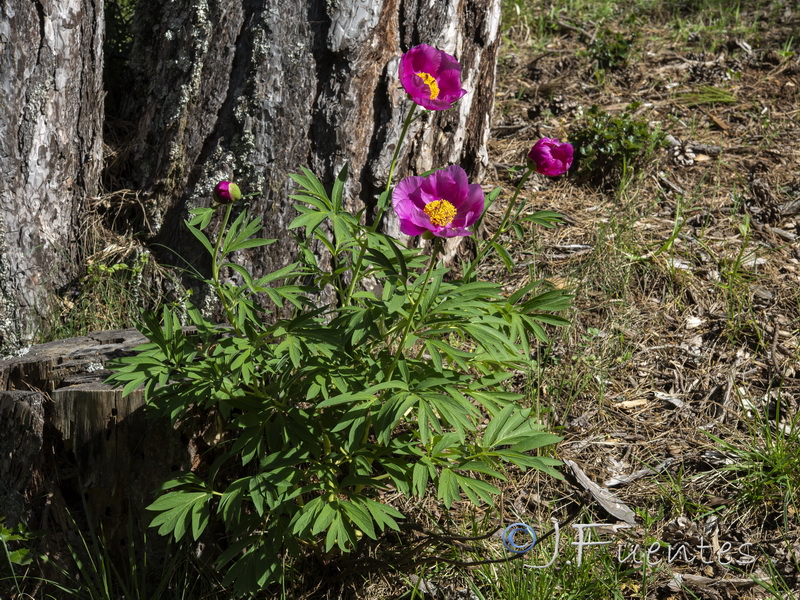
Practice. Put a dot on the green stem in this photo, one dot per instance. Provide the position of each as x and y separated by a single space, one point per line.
406 125
437 247
7 552
483 249
215 267
381 207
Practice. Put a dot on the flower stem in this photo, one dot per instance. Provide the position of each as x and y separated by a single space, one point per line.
406 125
483 249
215 267
381 207
437 247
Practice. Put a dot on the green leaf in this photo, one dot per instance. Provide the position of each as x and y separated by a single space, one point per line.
396 304
310 221
477 490
491 197
507 419
201 217
253 243
201 238
361 517
317 203
436 356
433 291
200 517
288 271
391 413
233 232
554 300
504 256
545 218
306 516
20 557
230 504
177 509
448 487
398 255
550 319
345 398
342 534
383 201
324 518
520 293
383 514
545 465
419 479
535 439
338 188
490 338
536 329
341 232
311 184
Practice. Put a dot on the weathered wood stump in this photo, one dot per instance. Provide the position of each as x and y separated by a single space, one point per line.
73 452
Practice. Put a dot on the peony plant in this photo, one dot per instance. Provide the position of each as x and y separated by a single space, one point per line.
399 387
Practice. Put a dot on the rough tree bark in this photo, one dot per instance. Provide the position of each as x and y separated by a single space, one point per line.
217 89
251 90
51 118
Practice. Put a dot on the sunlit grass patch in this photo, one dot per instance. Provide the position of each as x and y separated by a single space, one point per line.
764 461
706 95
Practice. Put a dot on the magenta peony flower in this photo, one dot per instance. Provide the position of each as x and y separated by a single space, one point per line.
550 157
226 192
431 77
444 203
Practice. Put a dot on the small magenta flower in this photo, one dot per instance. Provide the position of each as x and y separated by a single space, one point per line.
431 77
226 192
550 157
443 203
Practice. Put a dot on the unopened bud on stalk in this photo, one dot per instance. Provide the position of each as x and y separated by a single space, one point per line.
550 157
226 192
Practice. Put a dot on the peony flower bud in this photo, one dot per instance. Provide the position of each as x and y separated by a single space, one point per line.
226 192
550 157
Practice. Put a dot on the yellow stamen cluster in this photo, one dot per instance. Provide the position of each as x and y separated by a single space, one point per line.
440 212
430 81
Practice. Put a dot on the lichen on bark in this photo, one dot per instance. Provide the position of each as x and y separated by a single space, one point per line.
50 151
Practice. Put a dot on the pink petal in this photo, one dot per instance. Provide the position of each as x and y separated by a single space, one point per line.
409 228
450 85
472 208
426 59
406 194
420 219
451 184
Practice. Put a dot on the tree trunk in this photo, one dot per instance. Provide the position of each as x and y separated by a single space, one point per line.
225 89
50 150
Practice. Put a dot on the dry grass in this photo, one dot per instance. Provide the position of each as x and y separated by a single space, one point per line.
685 277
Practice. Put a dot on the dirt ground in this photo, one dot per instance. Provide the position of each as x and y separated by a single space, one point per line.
677 386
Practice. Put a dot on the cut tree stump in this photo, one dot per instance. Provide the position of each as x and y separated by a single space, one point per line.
73 452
